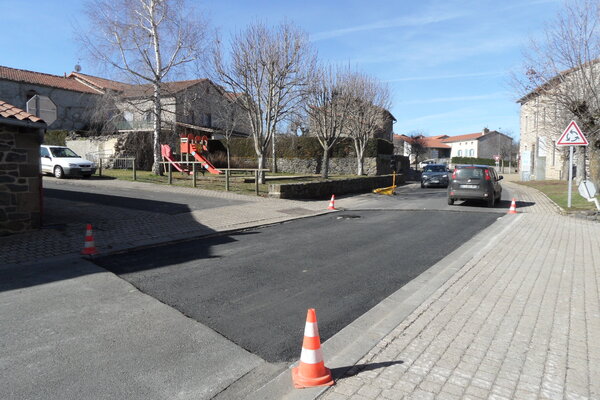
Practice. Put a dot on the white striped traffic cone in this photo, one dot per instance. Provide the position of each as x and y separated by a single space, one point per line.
513 207
89 246
311 371
332 203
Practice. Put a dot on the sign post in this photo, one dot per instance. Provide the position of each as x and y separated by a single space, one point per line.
572 136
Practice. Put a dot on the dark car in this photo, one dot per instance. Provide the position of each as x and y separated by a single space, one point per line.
435 175
475 182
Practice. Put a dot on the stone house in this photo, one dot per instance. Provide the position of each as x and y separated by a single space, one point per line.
20 180
64 102
543 119
385 128
193 106
198 105
80 101
484 144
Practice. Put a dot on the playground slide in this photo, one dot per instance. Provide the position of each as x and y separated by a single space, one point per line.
205 163
166 153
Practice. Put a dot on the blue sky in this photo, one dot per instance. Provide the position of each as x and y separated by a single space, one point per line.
446 62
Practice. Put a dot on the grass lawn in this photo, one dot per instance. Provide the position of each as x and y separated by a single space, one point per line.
213 182
558 192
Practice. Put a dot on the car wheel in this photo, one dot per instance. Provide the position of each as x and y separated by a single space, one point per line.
450 201
491 201
422 185
58 172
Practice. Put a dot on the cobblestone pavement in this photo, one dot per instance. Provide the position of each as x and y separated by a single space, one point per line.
541 204
114 229
519 321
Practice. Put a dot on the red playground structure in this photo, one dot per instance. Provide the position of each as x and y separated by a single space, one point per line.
189 145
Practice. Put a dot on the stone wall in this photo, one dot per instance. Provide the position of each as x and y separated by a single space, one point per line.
324 190
20 180
337 166
129 144
94 146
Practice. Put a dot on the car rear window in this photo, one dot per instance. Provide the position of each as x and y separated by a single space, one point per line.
469 173
434 168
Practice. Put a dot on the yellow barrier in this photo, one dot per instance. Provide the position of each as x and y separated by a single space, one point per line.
387 190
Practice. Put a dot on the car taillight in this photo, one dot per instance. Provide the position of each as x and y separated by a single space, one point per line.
454 174
487 175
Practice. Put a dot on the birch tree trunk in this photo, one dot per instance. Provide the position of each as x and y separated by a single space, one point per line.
325 165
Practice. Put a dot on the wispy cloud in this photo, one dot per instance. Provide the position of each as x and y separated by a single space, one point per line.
416 20
490 96
448 76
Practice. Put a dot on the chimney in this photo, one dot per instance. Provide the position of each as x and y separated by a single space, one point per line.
485 131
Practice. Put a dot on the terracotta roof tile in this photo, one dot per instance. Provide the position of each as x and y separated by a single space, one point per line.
167 87
434 142
461 138
38 78
10 111
100 83
130 90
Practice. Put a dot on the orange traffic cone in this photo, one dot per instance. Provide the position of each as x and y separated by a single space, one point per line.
332 203
513 207
311 371
89 246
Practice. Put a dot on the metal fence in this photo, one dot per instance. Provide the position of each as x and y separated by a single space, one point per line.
116 163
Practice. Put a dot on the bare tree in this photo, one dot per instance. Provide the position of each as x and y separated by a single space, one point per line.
561 73
368 113
270 66
147 41
230 118
417 146
328 105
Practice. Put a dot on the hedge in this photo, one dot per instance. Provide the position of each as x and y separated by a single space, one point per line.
305 147
473 160
55 138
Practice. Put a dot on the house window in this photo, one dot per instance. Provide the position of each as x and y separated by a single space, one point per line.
460 153
128 116
471 152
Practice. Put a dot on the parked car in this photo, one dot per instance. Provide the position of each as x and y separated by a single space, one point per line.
425 163
478 182
434 175
62 161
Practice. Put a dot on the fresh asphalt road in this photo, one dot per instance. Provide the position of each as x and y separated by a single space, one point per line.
254 287
413 197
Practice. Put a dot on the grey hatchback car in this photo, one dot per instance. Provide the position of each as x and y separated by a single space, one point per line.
475 182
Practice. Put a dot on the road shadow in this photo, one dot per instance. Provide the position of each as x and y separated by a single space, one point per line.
135 261
53 253
520 204
499 205
130 203
342 373
91 178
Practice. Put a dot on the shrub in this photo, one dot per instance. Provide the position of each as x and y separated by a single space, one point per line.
56 138
473 160
307 147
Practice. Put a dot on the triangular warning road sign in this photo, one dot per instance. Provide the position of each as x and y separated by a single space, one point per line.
572 136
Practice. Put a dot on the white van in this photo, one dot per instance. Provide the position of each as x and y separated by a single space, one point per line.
62 161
